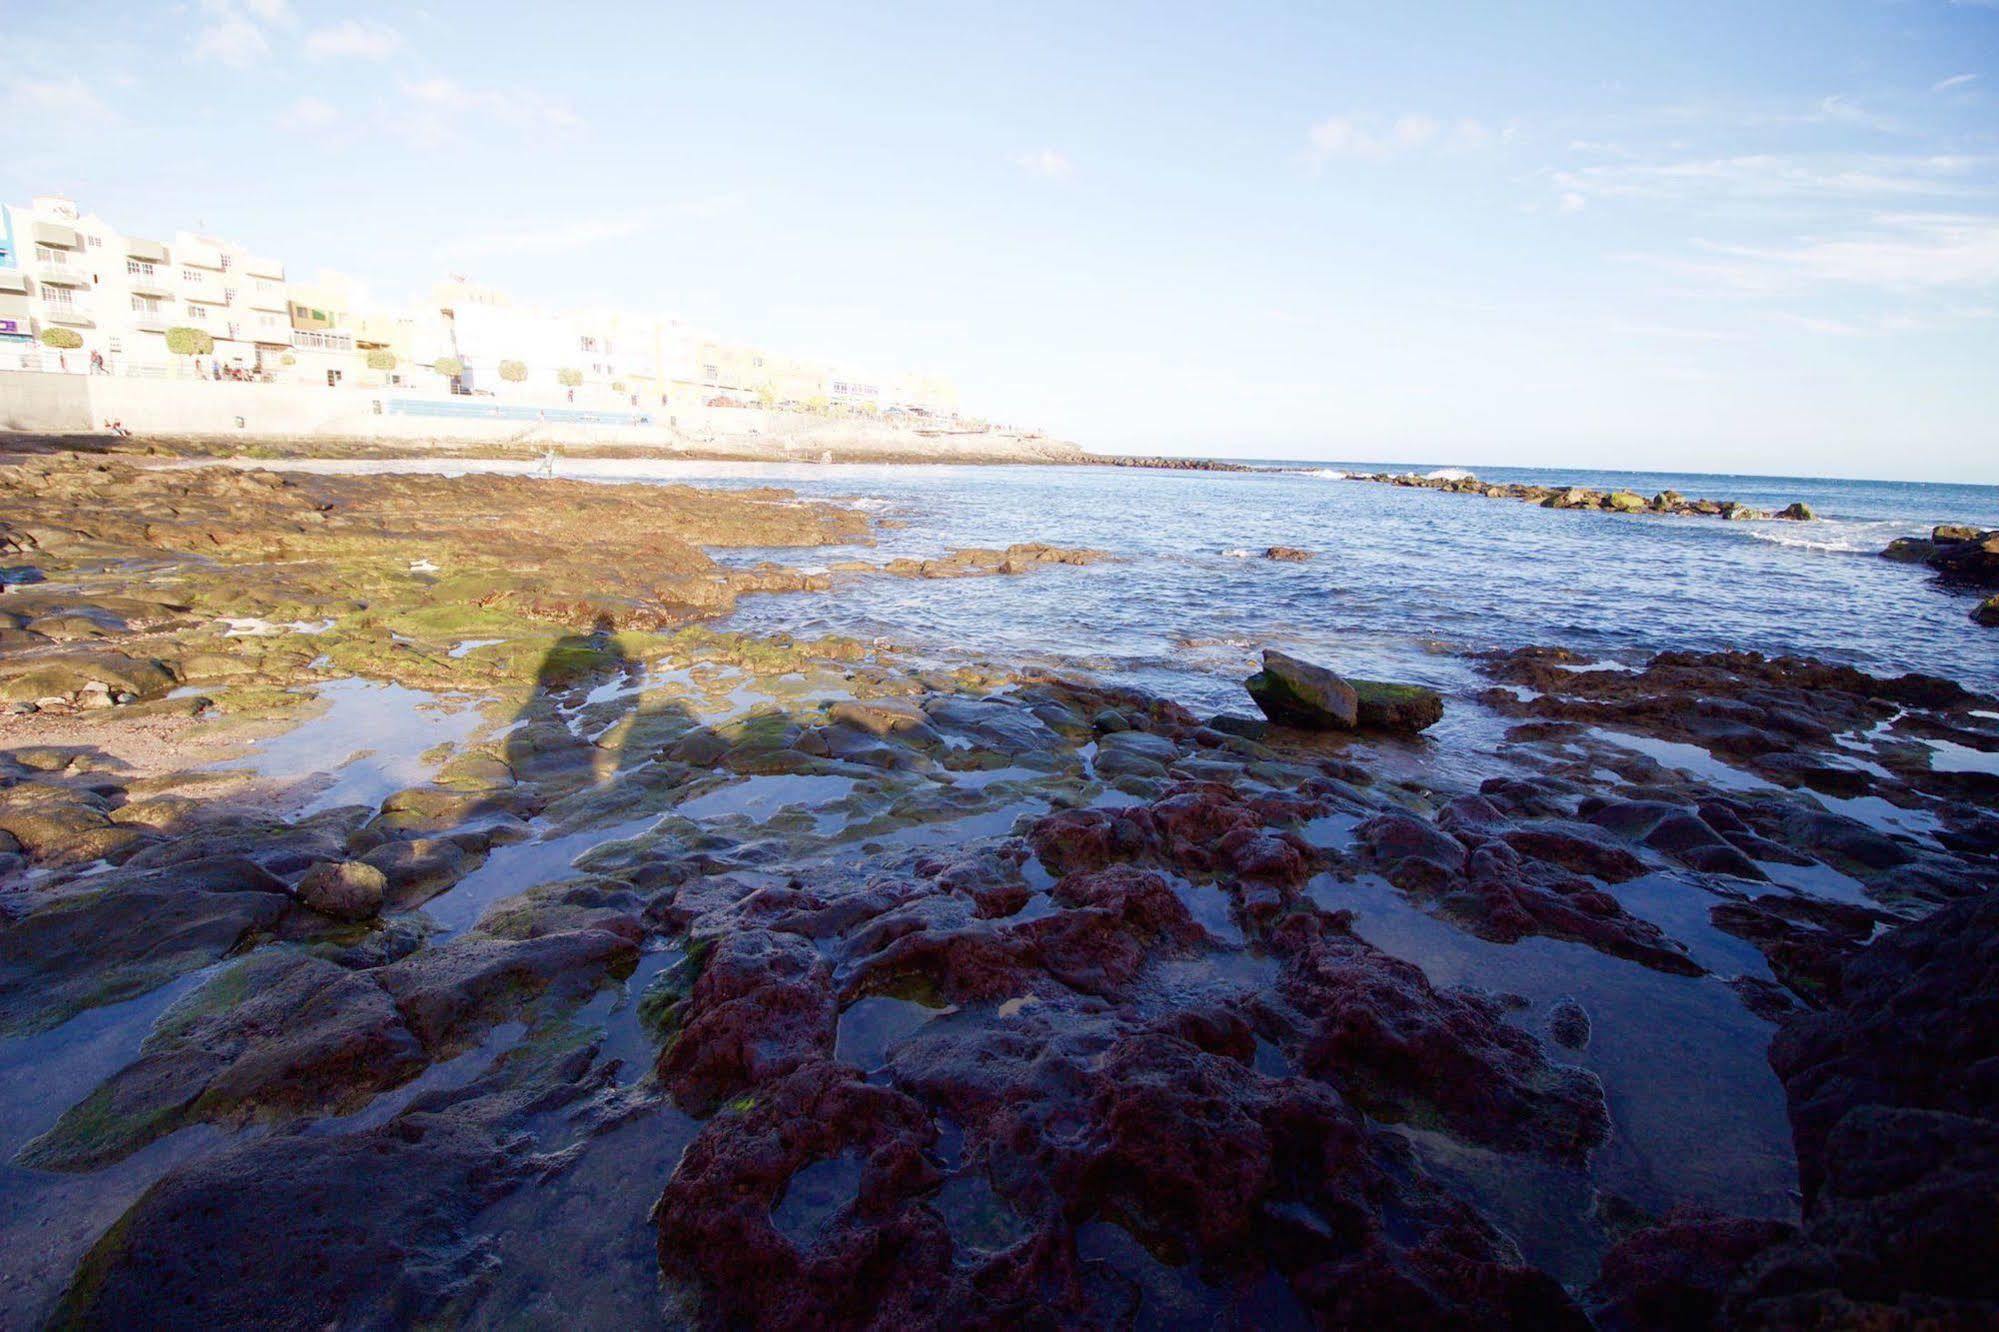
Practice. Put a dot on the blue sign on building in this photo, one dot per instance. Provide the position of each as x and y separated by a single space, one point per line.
7 259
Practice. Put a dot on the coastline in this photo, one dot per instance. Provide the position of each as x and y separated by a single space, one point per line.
526 850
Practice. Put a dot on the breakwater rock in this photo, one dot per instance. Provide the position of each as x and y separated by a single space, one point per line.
1965 558
1581 497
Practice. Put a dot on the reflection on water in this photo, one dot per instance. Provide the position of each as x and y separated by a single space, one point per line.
370 739
1696 1113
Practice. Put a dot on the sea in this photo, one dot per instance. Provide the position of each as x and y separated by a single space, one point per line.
1404 583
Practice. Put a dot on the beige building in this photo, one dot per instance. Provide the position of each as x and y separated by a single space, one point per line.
64 272
64 269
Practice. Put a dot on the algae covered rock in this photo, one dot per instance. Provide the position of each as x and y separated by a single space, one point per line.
1396 707
344 889
1297 693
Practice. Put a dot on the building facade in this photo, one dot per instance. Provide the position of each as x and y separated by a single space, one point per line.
116 295
79 295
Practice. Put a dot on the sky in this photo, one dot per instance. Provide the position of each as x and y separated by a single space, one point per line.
1758 238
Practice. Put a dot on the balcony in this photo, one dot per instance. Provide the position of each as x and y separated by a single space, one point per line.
62 274
151 323
205 295
76 314
272 300
151 285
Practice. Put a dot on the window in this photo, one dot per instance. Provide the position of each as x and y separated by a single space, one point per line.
588 344
192 276
225 263
229 295
138 268
58 298
95 241
145 305
116 346
49 254
322 341
199 312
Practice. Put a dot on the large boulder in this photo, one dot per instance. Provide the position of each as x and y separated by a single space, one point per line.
1396 707
1297 693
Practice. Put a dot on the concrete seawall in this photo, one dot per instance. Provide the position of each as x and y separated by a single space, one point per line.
230 415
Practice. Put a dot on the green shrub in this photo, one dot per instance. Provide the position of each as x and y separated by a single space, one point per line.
513 371
448 365
569 378
62 339
288 359
184 341
381 358
617 386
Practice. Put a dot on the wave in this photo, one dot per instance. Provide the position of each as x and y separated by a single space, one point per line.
1864 538
1238 554
1448 474
1329 474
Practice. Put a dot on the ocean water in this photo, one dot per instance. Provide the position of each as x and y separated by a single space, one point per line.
1405 582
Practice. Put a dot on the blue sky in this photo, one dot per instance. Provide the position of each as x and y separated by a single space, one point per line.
1759 238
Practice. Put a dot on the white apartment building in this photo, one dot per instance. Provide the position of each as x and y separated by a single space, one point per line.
61 268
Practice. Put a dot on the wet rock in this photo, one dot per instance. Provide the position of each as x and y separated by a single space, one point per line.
1796 511
880 1256
1568 1024
418 869
1406 1051
1296 693
1577 847
277 1035
1915 1029
1674 1277
120 940
763 1006
1396 707
1287 554
344 890
1807 941
362 1229
449 993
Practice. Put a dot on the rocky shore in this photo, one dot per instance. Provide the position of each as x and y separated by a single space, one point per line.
681 976
1964 558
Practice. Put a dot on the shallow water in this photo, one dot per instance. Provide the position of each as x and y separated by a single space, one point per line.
369 741
1400 574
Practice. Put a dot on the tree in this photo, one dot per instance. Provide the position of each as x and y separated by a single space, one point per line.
288 359
184 341
513 371
448 365
569 378
766 396
381 358
617 386
62 339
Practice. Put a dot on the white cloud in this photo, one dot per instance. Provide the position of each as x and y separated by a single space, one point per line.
1902 252
1571 202
446 99
1769 176
1047 162
1368 140
353 39
67 99
1954 81
310 113
235 42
